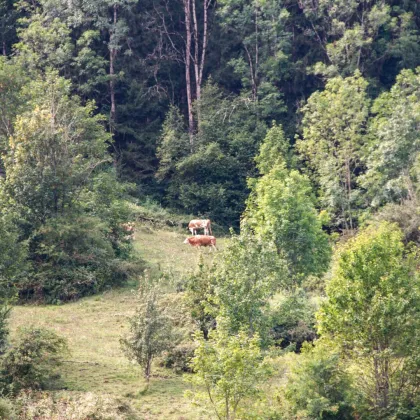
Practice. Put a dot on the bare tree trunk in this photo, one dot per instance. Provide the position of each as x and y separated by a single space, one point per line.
206 4
4 48
112 56
196 52
187 11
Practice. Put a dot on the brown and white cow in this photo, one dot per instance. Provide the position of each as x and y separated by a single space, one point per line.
200 224
201 240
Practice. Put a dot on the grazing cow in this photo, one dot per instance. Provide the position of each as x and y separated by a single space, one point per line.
200 224
201 240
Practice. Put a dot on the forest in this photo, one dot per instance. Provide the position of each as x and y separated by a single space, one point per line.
293 125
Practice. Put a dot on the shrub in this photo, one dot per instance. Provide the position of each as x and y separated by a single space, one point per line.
318 387
179 358
34 360
7 410
293 321
151 332
44 405
72 257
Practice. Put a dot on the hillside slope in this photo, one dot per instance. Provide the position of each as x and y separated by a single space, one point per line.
94 325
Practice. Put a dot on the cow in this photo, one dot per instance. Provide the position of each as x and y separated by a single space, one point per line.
200 224
201 240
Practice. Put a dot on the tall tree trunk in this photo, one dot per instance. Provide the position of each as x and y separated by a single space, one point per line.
196 52
187 12
112 56
4 48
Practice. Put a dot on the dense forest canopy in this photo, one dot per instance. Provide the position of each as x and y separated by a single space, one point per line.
291 124
190 88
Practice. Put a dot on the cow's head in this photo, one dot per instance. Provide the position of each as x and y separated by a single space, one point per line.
187 241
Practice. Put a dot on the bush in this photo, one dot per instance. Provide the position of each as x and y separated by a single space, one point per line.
7 410
293 321
318 387
179 358
72 257
34 361
44 405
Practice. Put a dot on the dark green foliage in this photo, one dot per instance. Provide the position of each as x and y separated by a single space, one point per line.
33 361
318 387
71 257
13 254
179 358
208 177
293 321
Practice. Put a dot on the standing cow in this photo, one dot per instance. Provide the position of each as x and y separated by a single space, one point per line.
201 240
200 224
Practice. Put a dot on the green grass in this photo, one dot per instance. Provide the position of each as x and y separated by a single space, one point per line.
93 327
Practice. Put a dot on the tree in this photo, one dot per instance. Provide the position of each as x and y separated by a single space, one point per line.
334 126
373 37
12 101
229 369
373 314
33 362
151 332
57 146
281 209
211 178
392 153
247 272
8 16
258 29
318 386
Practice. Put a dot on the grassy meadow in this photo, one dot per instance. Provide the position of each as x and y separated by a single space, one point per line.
94 325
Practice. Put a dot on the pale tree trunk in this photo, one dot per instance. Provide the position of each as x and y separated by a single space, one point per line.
187 12
4 48
199 59
112 56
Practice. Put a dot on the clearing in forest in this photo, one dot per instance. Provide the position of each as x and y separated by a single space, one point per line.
94 325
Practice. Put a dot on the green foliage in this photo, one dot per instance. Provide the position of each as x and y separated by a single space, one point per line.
7 410
151 332
260 60
334 127
228 372
281 209
200 297
179 358
208 176
392 153
360 35
373 313
71 258
293 320
317 386
247 273
55 149
44 42
12 101
13 254
34 360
